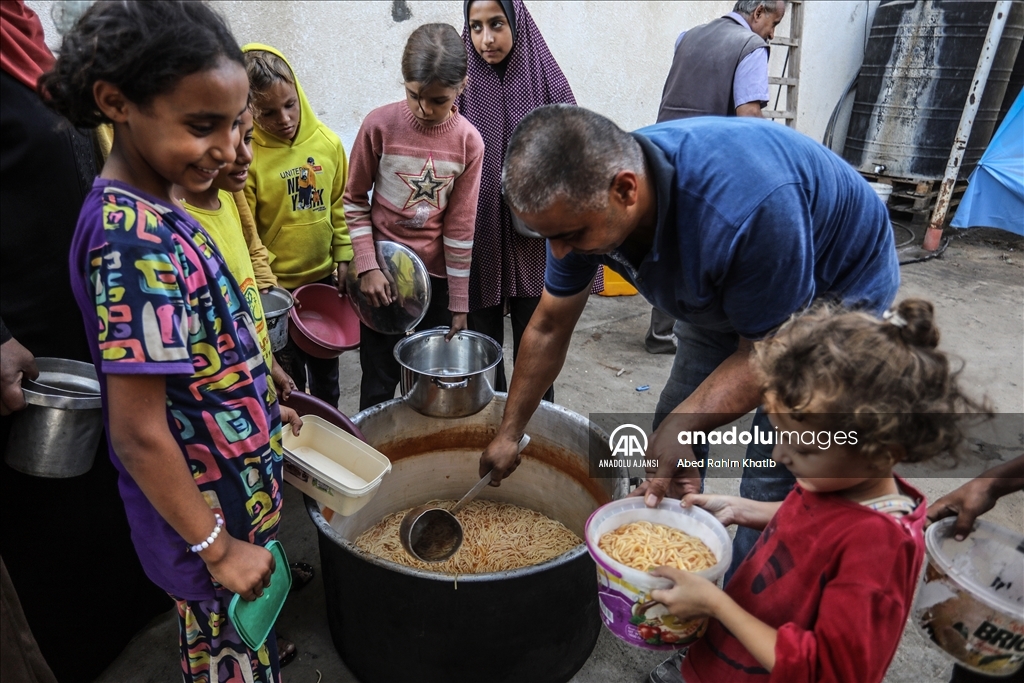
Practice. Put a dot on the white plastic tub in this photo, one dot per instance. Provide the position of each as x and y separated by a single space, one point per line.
331 466
970 601
883 190
624 593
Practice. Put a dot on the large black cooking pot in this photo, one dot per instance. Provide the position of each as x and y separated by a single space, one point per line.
392 623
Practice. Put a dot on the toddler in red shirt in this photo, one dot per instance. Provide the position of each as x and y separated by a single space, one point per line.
825 593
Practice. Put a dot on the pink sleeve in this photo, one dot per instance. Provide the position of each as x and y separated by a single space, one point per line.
860 618
460 222
362 172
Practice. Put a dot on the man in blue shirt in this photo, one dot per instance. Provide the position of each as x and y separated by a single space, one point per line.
729 225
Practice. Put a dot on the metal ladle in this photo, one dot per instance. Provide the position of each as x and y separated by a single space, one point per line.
433 534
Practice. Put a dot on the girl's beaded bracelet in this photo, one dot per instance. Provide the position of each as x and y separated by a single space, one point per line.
211 538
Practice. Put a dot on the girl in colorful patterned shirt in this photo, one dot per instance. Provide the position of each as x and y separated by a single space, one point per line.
422 161
825 593
192 427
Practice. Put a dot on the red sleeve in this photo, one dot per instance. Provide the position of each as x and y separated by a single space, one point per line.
860 618
362 173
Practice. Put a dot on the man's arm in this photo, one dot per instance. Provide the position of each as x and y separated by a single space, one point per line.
541 356
750 83
728 393
751 109
978 496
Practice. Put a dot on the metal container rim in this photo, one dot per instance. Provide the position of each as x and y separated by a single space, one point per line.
281 297
441 331
933 536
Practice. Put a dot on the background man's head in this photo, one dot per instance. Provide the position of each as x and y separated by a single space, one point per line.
762 15
573 176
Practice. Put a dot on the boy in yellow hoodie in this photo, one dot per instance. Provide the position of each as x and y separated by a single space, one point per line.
295 187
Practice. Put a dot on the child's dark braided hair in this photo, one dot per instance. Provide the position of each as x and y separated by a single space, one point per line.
144 48
885 378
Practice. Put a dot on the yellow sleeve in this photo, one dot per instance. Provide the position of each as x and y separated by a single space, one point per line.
341 244
258 254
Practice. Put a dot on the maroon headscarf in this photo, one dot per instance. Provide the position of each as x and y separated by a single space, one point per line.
506 264
23 51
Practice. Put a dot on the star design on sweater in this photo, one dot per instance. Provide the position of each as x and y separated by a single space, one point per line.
426 185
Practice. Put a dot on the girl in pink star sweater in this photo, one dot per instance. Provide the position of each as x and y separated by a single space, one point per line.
422 161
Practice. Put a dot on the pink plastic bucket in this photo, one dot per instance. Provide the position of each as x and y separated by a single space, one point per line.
323 324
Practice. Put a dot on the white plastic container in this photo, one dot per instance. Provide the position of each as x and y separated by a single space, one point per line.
331 466
970 601
624 593
883 190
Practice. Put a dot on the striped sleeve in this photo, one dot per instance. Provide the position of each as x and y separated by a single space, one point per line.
460 223
362 171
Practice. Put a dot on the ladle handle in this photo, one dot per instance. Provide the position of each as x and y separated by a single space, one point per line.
473 492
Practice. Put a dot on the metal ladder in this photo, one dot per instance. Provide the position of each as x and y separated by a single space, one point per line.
790 78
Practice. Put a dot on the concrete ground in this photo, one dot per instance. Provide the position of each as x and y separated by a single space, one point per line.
978 288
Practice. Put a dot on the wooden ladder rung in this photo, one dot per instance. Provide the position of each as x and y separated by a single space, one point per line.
776 114
775 80
786 42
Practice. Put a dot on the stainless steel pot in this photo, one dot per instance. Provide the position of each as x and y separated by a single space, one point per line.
447 378
276 304
56 435
442 628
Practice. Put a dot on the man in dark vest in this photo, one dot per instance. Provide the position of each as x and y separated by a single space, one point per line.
719 69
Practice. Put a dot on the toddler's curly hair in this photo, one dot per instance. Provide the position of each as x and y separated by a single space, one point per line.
885 379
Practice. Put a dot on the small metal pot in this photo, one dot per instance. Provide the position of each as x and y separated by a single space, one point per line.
447 379
57 433
276 304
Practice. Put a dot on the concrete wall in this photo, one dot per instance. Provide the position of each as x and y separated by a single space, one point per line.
615 54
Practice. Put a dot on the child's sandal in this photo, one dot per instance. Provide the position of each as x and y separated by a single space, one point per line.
302 575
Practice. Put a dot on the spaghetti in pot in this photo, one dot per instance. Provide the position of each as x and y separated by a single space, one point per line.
643 545
497 537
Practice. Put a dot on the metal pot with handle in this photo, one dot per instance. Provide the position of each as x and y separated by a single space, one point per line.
57 433
277 301
447 378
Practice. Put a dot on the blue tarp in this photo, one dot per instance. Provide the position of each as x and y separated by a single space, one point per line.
995 192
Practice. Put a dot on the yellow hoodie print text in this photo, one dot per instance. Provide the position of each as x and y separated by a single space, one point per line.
295 190
302 188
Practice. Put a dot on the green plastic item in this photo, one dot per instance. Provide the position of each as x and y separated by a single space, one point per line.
254 620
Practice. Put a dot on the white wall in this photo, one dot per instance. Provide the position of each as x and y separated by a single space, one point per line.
615 54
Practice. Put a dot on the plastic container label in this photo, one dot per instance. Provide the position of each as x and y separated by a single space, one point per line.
630 614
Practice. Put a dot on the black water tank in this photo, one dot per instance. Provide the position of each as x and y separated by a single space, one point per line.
918 68
1013 88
